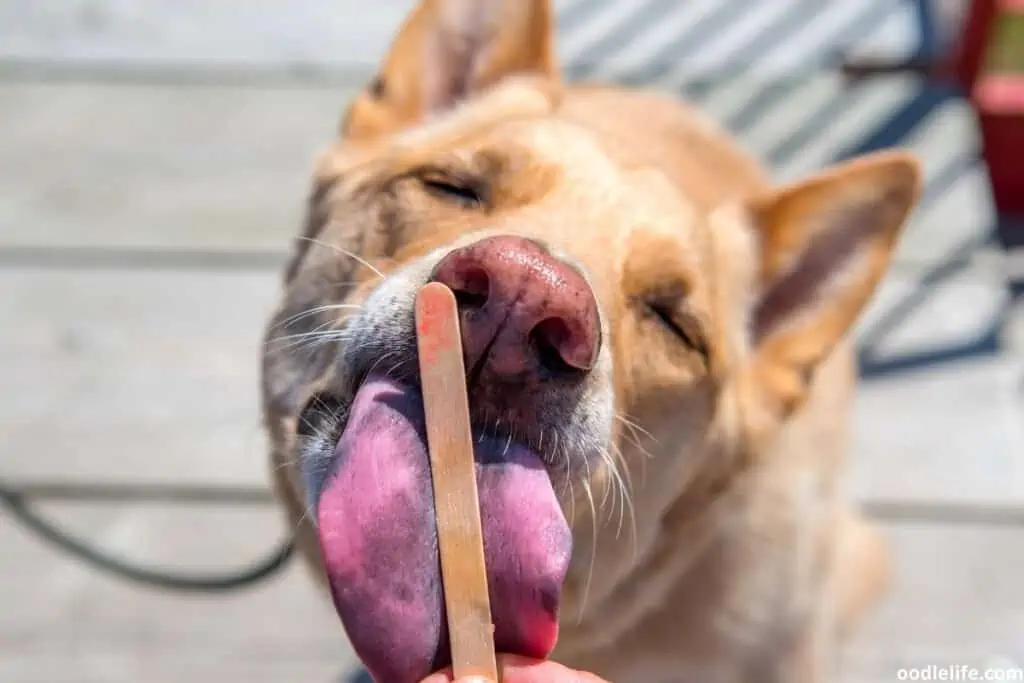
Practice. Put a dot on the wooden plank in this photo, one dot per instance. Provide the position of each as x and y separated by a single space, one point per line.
227 169
873 102
938 417
153 376
324 34
957 600
951 434
959 214
268 33
88 165
65 623
133 376
785 116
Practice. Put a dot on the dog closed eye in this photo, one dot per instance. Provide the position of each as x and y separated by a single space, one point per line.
682 326
452 187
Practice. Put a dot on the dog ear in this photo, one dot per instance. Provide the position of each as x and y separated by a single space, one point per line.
825 245
447 50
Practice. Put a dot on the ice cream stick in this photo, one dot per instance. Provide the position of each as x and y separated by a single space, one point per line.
456 503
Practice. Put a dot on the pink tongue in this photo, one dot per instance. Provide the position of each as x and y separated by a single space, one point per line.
379 540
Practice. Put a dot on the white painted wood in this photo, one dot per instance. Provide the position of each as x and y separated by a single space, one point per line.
785 116
133 376
330 34
153 376
193 33
951 428
226 168
641 52
65 623
956 601
181 167
866 109
954 217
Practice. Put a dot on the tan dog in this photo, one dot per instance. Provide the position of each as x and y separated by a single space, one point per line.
656 347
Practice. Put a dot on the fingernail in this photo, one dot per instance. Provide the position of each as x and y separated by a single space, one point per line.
474 679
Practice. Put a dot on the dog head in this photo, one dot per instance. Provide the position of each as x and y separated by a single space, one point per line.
612 326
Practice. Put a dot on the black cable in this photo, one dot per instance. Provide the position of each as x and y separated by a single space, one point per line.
17 503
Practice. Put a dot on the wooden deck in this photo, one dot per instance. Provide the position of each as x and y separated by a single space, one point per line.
144 216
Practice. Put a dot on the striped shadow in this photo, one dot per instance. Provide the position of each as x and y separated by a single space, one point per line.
644 41
647 14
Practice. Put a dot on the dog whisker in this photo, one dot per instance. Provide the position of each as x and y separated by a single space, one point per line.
345 252
293 341
314 311
555 450
634 427
321 336
624 487
632 434
593 552
289 462
307 513
310 345
387 355
322 326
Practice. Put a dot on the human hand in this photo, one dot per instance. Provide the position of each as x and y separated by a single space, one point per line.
516 669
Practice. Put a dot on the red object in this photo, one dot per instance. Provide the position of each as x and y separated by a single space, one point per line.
998 98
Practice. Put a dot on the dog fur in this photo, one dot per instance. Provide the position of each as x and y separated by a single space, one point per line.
712 538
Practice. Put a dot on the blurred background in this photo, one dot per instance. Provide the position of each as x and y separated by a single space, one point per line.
154 158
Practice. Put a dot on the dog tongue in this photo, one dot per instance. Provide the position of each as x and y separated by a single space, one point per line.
379 540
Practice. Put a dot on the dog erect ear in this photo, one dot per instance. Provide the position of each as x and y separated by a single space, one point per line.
825 245
447 50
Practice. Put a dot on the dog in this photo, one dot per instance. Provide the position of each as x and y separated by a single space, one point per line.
659 367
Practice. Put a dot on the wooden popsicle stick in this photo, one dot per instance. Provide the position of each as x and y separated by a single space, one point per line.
456 503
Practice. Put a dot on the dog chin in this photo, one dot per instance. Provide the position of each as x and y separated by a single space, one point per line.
376 526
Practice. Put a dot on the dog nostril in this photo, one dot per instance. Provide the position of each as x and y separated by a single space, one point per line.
473 288
553 341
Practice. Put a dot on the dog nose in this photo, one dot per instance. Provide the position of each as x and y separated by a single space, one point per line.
525 315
